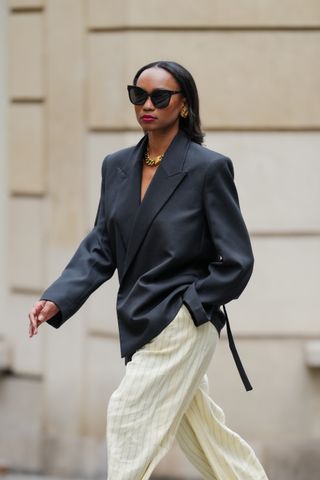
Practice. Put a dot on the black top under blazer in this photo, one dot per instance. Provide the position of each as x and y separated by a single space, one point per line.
186 242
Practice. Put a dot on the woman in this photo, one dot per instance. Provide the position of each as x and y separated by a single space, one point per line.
169 221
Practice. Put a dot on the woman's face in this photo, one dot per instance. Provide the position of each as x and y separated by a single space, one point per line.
150 117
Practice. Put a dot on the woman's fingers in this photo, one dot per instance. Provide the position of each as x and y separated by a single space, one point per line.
49 310
33 315
32 324
40 313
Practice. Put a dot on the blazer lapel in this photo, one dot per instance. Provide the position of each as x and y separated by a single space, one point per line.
129 187
168 176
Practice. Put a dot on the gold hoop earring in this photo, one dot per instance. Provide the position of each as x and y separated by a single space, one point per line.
184 112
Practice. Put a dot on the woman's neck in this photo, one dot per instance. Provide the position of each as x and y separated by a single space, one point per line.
159 141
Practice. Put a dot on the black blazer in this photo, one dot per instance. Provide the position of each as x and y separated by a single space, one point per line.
186 242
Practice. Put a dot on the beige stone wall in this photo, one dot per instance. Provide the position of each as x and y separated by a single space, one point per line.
258 75
3 175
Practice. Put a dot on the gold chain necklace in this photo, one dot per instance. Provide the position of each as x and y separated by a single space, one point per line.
152 161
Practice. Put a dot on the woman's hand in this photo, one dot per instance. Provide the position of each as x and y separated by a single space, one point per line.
41 312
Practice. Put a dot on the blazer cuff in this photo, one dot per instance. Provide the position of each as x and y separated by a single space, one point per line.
63 314
192 302
56 321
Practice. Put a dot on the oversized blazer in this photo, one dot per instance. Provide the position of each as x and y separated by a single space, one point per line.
186 242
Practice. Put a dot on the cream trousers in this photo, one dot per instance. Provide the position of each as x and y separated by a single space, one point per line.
163 395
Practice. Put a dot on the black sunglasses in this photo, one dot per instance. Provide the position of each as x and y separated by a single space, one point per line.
159 97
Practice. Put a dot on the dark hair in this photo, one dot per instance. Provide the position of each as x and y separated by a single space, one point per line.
192 124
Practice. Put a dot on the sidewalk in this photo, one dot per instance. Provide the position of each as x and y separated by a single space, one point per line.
41 477
32 477
22 476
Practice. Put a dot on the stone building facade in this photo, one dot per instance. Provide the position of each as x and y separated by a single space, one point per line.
63 74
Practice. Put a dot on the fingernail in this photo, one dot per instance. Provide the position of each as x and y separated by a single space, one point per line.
40 318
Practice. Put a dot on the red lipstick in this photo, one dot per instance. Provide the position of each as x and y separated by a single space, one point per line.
148 118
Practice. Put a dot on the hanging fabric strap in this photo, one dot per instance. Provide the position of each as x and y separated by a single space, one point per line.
235 355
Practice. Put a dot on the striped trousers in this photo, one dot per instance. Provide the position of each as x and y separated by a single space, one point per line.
164 395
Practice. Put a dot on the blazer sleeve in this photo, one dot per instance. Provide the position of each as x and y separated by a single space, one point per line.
91 265
229 274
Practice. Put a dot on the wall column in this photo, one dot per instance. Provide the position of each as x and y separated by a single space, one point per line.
3 149
65 140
